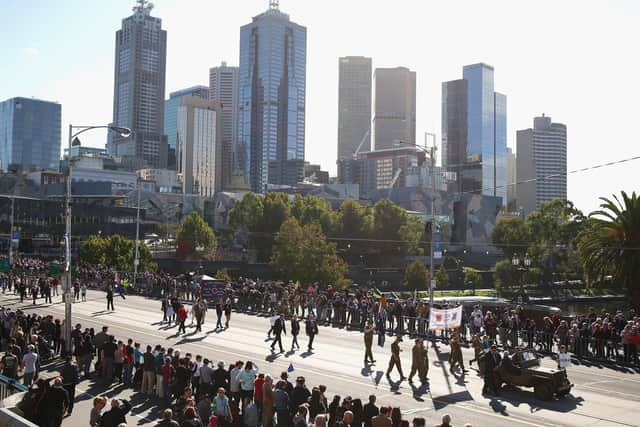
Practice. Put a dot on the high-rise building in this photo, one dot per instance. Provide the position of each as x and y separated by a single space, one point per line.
171 118
542 161
138 94
511 180
198 152
474 132
223 87
271 129
29 133
394 117
354 106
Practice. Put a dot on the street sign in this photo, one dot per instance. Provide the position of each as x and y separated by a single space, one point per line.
433 283
15 236
437 245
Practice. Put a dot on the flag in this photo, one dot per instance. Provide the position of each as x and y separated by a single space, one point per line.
290 368
445 318
415 295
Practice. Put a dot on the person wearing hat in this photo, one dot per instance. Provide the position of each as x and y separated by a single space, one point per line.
455 356
369 329
70 378
395 357
492 360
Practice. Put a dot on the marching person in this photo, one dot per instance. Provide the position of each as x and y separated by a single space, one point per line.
278 330
295 330
417 361
395 358
182 317
564 359
456 353
110 298
492 360
311 329
369 329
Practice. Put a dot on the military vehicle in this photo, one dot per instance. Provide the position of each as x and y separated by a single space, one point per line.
527 372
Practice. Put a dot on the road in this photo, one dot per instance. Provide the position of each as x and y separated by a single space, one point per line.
602 396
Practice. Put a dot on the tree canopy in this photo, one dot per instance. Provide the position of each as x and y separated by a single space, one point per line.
115 252
416 276
195 237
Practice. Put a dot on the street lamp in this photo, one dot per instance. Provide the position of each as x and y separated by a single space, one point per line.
74 141
522 265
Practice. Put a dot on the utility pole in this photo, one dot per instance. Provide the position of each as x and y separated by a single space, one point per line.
67 251
136 260
432 154
13 201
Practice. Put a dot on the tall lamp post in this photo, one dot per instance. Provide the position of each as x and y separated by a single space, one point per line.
67 296
522 264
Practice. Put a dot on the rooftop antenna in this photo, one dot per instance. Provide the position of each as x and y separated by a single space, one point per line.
274 5
143 6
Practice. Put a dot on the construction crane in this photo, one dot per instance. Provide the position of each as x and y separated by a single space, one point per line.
393 181
364 138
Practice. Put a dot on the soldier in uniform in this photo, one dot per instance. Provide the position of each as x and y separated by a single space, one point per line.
395 357
425 366
368 342
456 353
417 360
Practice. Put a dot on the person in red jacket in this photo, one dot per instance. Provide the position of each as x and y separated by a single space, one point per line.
182 317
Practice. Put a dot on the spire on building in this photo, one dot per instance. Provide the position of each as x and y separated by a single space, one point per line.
143 6
274 5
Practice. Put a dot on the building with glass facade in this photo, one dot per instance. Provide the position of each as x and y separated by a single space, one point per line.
541 160
171 118
30 133
394 118
139 85
198 149
354 106
271 129
474 132
223 88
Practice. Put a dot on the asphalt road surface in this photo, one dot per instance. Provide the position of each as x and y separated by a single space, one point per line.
602 395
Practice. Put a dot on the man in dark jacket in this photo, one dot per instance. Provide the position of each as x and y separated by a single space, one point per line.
312 330
70 378
299 395
55 404
220 377
278 330
369 411
116 414
295 330
491 360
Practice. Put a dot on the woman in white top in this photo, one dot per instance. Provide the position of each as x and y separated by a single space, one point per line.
564 359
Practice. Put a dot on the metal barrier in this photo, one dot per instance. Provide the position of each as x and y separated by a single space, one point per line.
9 386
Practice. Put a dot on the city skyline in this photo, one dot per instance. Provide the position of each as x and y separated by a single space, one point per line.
555 86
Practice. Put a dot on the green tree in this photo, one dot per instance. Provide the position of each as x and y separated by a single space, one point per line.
350 221
472 278
609 243
313 210
276 210
388 219
416 276
412 233
119 254
247 213
302 253
442 278
511 236
93 251
196 236
505 276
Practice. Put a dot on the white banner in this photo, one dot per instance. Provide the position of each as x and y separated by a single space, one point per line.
450 318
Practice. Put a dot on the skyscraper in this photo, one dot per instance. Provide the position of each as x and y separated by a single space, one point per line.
394 117
138 94
198 151
354 106
223 87
171 118
542 157
271 130
511 180
474 132
29 133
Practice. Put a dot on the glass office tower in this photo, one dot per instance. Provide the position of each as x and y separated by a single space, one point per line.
30 133
271 129
474 132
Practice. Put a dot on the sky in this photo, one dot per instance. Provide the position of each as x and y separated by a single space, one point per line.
576 61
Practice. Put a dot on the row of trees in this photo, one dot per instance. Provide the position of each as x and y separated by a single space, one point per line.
563 243
115 252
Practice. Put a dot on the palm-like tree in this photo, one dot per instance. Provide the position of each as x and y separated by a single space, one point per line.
610 243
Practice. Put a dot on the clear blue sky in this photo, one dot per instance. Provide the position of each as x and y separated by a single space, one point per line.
575 60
